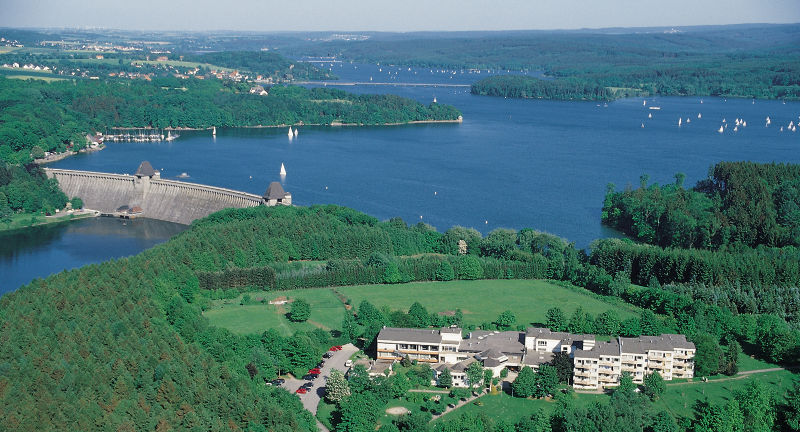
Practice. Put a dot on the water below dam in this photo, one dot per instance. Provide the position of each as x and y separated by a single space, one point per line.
511 163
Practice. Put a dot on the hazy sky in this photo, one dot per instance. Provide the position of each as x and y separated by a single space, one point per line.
397 15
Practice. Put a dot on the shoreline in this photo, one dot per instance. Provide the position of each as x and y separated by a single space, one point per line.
50 220
60 156
284 125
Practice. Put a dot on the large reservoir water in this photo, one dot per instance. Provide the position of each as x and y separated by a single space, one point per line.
511 163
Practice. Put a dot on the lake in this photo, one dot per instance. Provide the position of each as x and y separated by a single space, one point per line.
511 163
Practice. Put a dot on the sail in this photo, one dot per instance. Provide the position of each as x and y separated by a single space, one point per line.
283 169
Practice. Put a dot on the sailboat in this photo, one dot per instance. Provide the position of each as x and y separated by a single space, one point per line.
296 131
721 129
768 121
283 170
699 115
679 121
214 130
688 120
291 134
649 115
644 102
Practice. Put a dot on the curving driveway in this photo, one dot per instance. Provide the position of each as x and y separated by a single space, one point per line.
311 399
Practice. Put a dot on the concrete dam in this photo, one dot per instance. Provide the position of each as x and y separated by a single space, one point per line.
146 194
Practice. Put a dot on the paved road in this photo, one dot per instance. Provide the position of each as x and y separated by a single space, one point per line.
311 399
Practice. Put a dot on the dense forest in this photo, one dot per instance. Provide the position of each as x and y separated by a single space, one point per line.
516 86
123 344
739 204
28 190
38 116
754 61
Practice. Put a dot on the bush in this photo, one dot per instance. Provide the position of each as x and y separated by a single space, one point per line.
445 272
469 268
300 311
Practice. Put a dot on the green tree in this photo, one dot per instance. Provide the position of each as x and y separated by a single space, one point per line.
546 381
76 203
631 327
474 374
579 322
536 422
349 329
487 377
446 378
556 320
792 409
708 355
654 385
650 324
392 274
359 412
506 320
732 353
418 315
607 323
300 310
525 383
469 268
445 271
336 387
563 366
757 404
626 384
663 422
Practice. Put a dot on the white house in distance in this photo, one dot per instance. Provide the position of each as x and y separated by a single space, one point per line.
597 365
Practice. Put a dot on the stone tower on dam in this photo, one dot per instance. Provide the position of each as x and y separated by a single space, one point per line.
146 194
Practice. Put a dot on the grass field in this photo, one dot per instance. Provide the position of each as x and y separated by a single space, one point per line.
36 77
679 398
483 300
25 220
747 363
326 312
513 409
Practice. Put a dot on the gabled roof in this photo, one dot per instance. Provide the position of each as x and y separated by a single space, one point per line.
145 170
275 191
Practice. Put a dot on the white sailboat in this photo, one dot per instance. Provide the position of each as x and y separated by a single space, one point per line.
290 133
214 130
699 115
721 129
283 170
768 121
644 102
679 121
649 115
688 120
296 131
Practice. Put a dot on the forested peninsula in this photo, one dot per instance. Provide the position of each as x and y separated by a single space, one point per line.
517 86
124 345
39 116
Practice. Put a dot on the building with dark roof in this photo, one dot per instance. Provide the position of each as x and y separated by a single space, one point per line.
597 364
275 195
145 170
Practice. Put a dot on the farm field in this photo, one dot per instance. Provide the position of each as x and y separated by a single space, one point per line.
483 300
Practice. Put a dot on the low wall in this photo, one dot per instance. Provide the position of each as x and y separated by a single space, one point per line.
168 200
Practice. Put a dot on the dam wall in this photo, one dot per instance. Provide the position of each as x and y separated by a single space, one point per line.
167 200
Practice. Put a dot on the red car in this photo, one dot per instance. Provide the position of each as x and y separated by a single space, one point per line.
301 391
314 371
333 348
338 347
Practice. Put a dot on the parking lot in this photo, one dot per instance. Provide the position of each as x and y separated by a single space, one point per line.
311 399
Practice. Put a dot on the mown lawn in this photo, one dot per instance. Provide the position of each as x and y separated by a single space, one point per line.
326 312
679 399
483 300
512 409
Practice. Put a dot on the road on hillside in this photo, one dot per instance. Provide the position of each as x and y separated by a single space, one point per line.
311 399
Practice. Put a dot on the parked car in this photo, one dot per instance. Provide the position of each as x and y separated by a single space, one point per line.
327 354
301 390
278 381
314 370
348 363
307 385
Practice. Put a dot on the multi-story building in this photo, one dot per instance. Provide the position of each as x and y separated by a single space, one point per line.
597 365
671 355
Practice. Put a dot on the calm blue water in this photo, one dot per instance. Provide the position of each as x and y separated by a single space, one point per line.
41 251
511 163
